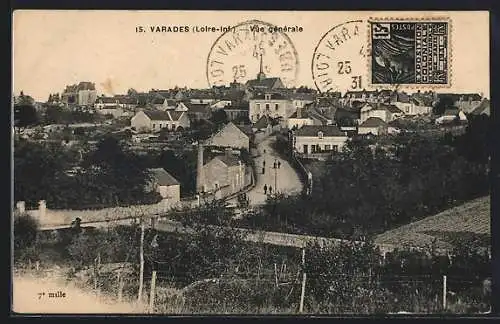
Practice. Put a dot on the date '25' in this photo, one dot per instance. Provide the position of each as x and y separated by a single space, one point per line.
344 67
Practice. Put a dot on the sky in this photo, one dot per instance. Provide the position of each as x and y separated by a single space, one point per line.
52 49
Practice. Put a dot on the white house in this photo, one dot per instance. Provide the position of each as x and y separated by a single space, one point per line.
311 139
166 185
273 105
373 125
103 102
220 104
148 120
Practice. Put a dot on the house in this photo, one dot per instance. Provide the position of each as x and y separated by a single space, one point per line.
468 102
158 102
412 105
374 96
383 111
373 125
115 111
223 175
219 104
237 112
165 184
299 119
149 120
318 118
449 115
230 136
266 124
300 100
273 105
310 139
198 111
168 104
104 102
82 94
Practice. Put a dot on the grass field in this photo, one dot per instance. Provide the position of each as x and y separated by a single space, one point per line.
470 220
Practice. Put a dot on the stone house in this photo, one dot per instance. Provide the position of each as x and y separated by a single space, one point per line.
273 105
373 125
230 136
165 184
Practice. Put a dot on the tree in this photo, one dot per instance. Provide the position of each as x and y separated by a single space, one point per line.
445 102
219 117
131 92
24 116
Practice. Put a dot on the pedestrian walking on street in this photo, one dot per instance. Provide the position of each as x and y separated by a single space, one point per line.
279 164
264 163
263 170
270 190
265 189
274 165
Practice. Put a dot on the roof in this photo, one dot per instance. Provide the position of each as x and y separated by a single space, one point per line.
247 129
274 96
373 122
316 114
197 107
107 100
86 86
263 122
157 114
302 96
264 83
471 217
463 96
163 177
391 108
229 160
401 97
312 130
171 102
175 115
158 100
483 108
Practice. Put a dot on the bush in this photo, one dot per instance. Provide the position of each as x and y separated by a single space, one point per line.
26 245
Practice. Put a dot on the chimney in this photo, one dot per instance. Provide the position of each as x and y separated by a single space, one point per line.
21 207
199 169
42 209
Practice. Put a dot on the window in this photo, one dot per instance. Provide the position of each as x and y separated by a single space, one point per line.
276 106
258 106
320 134
267 106
154 126
267 97
335 148
328 147
305 149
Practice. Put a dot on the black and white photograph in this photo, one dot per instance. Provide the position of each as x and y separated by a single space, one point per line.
177 162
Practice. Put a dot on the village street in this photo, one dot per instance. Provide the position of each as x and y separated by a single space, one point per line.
283 179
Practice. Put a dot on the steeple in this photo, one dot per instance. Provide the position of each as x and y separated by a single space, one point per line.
261 75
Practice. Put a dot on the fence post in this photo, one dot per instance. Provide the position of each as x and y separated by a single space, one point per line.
444 292
152 292
303 291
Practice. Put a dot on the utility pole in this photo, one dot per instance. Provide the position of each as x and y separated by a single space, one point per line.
141 269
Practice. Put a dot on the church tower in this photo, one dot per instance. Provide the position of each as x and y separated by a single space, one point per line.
261 76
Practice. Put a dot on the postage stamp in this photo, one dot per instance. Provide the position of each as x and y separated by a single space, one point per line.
252 49
410 52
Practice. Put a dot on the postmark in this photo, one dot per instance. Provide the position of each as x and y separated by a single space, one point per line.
250 48
409 52
339 59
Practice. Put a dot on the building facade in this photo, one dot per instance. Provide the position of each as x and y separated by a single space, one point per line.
310 140
273 105
230 136
155 121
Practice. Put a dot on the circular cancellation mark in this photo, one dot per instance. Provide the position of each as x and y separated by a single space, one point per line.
250 49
